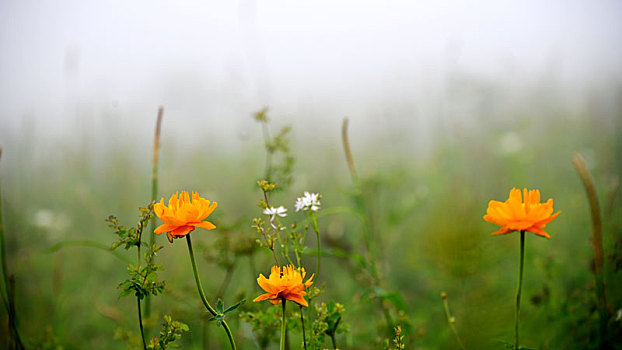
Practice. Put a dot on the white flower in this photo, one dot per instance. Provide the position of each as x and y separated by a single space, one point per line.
272 211
308 202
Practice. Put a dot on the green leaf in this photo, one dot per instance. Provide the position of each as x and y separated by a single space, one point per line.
152 276
237 305
220 306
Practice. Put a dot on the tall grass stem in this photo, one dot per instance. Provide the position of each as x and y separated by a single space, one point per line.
154 190
597 241
347 150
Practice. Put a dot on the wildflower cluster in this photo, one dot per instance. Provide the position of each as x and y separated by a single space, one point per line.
309 202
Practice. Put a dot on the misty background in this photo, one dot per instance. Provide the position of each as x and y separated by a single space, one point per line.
450 105
94 72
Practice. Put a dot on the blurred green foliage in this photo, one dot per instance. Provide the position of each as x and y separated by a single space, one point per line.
425 210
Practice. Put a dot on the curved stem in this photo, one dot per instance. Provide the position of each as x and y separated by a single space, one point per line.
202 294
282 347
520 284
140 322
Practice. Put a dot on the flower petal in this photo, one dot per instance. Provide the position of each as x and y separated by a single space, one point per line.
297 299
182 231
205 224
538 231
165 228
263 297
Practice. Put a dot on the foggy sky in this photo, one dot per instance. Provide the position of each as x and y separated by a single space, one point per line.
70 66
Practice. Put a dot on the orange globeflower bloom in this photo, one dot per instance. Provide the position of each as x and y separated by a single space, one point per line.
183 215
516 215
286 285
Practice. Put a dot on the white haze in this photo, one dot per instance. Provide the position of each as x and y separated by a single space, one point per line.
96 71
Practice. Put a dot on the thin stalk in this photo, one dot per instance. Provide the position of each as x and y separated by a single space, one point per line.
347 150
319 250
520 285
225 283
202 294
451 320
302 321
332 339
252 267
140 322
597 242
282 347
266 139
154 190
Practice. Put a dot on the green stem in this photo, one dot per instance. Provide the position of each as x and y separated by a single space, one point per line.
332 339
520 284
319 250
140 322
282 347
202 294
302 321
140 315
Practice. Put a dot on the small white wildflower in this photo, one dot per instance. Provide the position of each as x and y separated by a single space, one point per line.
272 211
308 202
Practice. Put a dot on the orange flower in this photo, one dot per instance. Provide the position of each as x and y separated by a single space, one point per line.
286 285
516 215
183 215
